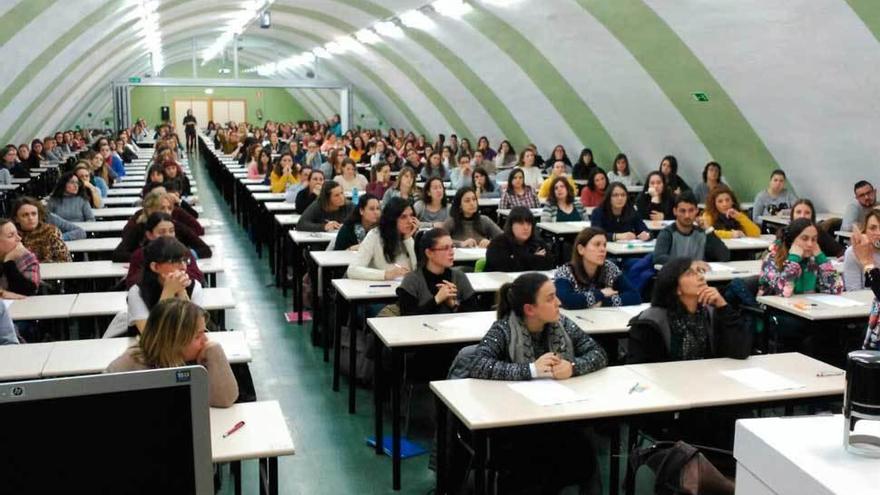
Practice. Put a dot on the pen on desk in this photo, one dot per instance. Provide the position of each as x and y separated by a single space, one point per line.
432 327
234 429
579 317
380 285
823 374
634 388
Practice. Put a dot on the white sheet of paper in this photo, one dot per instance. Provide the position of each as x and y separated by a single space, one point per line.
762 380
8 303
720 267
832 300
546 392
459 322
471 251
751 241
633 310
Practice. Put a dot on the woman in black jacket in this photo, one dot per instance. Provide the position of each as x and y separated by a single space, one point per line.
518 249
687 320
655 200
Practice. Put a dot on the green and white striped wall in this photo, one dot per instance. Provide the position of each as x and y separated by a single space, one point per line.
791 83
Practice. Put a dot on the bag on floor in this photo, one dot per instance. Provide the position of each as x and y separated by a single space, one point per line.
676 468
364 360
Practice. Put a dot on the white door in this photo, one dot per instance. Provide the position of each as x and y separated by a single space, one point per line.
220 111
200 112
237 111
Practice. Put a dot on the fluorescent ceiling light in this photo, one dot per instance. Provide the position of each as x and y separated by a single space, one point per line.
452 8
350 44
335 48
250 9
322 53
416 19
389 29
367 36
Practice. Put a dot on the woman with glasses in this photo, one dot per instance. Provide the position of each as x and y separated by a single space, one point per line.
70 200
163 277
617 217
158 224
688 319
436 287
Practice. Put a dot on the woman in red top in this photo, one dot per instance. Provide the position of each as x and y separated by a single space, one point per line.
593 194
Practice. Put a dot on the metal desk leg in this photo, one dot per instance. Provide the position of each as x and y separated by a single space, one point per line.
395 419
235 470
614 461
441 447
337 350
479 440
352 365
378 402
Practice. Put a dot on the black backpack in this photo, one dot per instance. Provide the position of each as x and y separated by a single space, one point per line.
677 468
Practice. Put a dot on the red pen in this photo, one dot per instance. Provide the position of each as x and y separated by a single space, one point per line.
234 429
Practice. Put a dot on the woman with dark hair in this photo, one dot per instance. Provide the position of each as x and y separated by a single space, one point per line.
20 275
431 210
434 168
388 252
669 169
688 319
436 287
530 340
558 155
483 147
505 157
174 173
283 174
723 214
327 213
380 180
594 192
518 193
308 194
350 178
361 220
590 279
656 200
261 164
484 186
562 205
617 217
558 170
405 187
158 224
803 208
69 200
155 178
163 277
529 165
175 335
518 249
711 180
467 227
795 264
584 166
620 171
37 235
252 158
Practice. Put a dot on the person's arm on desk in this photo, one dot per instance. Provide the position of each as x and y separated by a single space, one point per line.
7 329
588 355
223 389
490 358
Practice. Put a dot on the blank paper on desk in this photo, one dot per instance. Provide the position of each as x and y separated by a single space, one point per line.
762 380
546 392
833 300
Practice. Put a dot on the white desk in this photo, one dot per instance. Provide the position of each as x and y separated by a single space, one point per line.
286 220
785 219
563 228
42 307
268 196
120 200
729 270
265 433
256 188
361 290
124 191
303 237
93 245
102 226
277 206
126 212
110 303
814 308
24 361
503 212
107 269
658 224
749 243
625 248
599 321
800 455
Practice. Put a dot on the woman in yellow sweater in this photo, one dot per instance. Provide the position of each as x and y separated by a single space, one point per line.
284 173
558 170
723 214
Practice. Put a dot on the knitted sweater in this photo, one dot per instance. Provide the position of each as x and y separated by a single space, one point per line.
71 208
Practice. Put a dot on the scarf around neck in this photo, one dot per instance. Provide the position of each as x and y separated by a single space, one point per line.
521 349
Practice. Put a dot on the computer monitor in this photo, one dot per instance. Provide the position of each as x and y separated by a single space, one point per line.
144 432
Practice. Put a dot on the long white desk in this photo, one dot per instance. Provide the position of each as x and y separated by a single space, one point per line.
24 361
77 270
856 304
42 307
103 226
563 228
110 303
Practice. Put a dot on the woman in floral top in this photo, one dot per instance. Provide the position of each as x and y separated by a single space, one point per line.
796 264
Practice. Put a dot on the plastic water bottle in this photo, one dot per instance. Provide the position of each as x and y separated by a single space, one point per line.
354 196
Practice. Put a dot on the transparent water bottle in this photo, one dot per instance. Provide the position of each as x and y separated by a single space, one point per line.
354 196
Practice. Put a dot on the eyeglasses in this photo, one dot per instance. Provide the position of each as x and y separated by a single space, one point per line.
695 271
444 248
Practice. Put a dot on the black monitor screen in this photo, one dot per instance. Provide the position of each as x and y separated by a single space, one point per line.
122 442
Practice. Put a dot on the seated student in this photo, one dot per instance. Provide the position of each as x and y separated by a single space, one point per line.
517 193
69 200
361 220
96 179
405 187
518 249
283 174
380 180
431 210
854 270
795 264
558 170
309 194
590 279
505 157
174 173
484 186
388 251
434 168
617 217
594 192
669 169
774 199
20 276
711 180
723 214
562 204
182 211
69 230
865 251
327 213
621 172
37 235
350 178
260 165
865 201
688 319
684 239
655 200
134 233
175 335
803 208
584 166
467 227
84 173
8 335
159 224
163 277
436 287
528 163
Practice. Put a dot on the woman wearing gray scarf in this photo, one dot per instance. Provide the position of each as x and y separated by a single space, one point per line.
531 339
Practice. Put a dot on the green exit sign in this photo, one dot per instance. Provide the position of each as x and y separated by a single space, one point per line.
134 79
700 96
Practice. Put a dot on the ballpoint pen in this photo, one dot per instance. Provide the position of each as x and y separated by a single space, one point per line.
579 317
432 327
234 429
823 374
634 388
